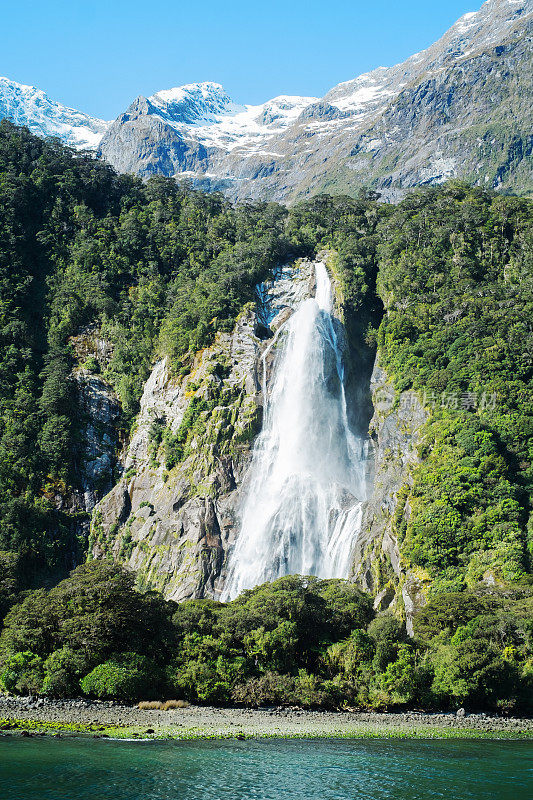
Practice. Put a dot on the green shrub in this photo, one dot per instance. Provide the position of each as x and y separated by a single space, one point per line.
124 677
22 673
62 672
201 681
388 633
348 656
270 689
92 365
405 680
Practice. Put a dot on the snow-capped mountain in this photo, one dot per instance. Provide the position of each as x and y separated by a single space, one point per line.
460 108
205 111
26 105
189 129
473 31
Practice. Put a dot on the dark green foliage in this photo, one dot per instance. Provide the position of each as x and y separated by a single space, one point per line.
286 642
268 645
62 672
298 640
388 634
455 273
268 689
83 621
9 580
21 673
446 612
485 662
125 677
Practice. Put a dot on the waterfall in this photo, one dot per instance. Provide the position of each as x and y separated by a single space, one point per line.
303 504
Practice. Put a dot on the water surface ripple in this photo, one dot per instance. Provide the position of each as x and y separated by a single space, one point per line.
323 769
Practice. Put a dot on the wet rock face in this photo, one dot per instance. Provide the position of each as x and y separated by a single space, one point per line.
99 416
100 411
174 513
396 430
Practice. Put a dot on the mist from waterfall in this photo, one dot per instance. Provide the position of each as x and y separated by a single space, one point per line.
303 505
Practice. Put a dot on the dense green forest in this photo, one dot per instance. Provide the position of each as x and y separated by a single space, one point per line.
298 640
456 276
440 283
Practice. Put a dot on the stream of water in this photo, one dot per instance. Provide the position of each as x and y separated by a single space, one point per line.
303 505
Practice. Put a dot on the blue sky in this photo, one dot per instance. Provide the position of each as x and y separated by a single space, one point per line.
98 56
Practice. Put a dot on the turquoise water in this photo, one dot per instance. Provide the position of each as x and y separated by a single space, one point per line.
324 769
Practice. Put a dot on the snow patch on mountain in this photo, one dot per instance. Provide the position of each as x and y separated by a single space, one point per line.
205 112
27 105
465 22
473 31
194 104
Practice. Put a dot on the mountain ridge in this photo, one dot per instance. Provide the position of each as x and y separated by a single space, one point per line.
349 138
460 108
30 106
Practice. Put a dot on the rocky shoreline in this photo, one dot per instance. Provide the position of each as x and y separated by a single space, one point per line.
111 719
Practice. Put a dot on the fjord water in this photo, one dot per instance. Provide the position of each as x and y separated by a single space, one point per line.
303 505
77 769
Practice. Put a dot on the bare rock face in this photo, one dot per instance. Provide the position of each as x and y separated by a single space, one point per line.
99 410
469 119
140 141
166 520
377 566
98 433
174 512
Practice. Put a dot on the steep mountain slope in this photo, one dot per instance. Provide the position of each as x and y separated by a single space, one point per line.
26 105
466 112
461 108
191 130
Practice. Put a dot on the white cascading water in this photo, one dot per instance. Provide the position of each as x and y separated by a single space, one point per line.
303 506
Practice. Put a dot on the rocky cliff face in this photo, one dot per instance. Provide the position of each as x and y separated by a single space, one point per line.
174 513
396 430
98 435
193 130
